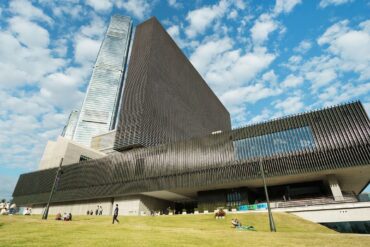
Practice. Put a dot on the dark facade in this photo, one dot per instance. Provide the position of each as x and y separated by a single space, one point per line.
165 99
332 139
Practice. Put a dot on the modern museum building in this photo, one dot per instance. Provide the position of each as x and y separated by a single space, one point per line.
173 146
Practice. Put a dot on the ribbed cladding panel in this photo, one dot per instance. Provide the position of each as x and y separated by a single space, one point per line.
175 102
196 178
203 161
129 125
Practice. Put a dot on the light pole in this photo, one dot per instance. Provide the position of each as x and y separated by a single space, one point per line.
271 219
56 180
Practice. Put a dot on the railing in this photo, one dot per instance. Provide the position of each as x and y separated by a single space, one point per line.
314 201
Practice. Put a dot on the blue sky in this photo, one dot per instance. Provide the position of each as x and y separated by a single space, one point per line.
264 59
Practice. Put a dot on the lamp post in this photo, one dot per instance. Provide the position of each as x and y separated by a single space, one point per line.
271 219
56 180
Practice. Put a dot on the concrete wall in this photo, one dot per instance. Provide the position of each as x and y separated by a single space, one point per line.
76 208
68 150
104 142
128 205
139 205
150 203
342 212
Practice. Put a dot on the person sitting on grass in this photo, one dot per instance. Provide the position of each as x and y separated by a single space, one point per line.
67 217
58 216
220 214
236 223
64 216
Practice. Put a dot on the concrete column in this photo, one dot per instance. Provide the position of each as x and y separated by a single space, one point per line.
335 188
111 207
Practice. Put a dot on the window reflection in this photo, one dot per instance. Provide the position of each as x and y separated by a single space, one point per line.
270 144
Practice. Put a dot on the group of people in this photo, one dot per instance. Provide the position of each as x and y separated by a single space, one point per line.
98 211
65 217
7 208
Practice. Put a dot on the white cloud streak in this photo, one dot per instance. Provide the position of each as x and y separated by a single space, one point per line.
326 3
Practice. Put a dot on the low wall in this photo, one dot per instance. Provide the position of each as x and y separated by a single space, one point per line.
76 208
341 212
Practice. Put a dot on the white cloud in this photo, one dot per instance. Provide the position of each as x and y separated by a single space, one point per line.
60 47
248 94
263 26
303 47
7 186
263 116
267 22
95 29
320 78
25 9
240 4
292 81
35 63
343 92
76 12
30 65
365 26
56 86
350 47
326 3
206 53
138 8
88 41
29 33
232 15
329 93
202 18
348 44
333 32
86 49
173 31
224 68
285 6
174 4
290 105
294 63
346 51
236 100
100 5
270 77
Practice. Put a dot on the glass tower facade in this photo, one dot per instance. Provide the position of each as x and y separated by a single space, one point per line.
99 110
70 127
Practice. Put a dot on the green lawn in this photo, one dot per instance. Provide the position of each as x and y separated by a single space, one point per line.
179 230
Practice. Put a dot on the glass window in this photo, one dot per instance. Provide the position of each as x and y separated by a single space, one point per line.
286 141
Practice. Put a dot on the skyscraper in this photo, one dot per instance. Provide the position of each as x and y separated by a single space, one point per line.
70 127
100 106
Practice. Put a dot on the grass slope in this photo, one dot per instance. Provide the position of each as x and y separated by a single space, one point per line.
179 230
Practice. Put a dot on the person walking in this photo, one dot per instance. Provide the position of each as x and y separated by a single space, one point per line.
115 215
